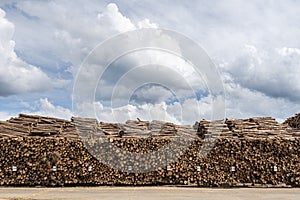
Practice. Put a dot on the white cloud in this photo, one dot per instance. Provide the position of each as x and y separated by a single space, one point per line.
72 42
134 70
17 76
5 115
114 19
149 67
147 24
145 112
244 103
286 51
158 111
261 78
46 108
274 73
186 112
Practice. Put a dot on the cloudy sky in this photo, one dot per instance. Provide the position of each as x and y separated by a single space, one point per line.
254 45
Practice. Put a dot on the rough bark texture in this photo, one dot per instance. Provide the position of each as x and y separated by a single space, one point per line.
294 121
46 151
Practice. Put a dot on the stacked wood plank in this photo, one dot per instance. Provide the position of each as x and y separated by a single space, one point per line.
47 151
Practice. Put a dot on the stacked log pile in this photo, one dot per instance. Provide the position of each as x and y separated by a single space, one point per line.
47 151
253 127
294 121
133 129
33 125
214 129
259 127
265 127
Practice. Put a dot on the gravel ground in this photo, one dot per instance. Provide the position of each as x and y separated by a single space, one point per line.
145 193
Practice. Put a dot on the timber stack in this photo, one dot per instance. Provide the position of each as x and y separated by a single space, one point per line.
47 151
294 121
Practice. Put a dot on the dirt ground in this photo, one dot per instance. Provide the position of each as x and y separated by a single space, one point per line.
145 193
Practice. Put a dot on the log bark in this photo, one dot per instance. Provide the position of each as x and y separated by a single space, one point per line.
38 150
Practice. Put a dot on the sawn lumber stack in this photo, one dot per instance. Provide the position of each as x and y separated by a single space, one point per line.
47 151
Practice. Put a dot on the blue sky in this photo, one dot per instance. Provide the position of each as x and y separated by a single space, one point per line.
254 44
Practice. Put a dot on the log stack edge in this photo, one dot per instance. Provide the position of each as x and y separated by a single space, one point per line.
36 150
